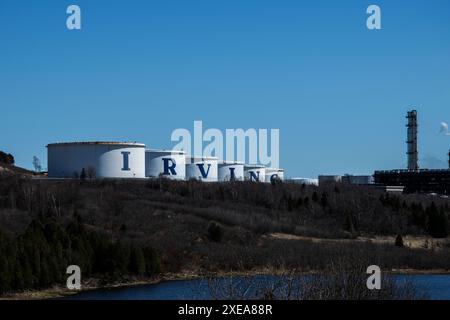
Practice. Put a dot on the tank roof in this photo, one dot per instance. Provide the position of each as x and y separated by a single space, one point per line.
255 166
225 162
201 158
96 143
165 151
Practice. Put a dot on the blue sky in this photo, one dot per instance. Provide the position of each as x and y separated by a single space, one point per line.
137 70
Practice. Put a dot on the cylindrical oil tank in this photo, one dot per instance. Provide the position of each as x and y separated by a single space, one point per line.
165 163
274 174
255 173
231 171
202 168
97 159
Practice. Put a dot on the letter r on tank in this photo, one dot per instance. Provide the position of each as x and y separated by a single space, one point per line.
169 169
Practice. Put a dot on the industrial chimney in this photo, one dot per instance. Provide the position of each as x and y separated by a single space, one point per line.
449 160
412 141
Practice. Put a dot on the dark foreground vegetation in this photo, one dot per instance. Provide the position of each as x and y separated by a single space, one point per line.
117 228
343 279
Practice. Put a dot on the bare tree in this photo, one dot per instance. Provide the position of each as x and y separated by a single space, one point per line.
90 172
344 279
37 164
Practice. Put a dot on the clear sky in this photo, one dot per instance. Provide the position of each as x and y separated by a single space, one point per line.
137 70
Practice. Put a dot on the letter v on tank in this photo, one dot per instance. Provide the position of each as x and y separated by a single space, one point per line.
202 168
170 164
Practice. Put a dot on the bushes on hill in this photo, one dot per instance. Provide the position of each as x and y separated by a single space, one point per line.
6 158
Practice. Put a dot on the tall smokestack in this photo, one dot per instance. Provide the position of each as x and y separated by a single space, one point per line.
412 141
448 159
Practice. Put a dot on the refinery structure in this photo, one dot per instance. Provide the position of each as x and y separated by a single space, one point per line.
101 159
413 179
409 180
134 160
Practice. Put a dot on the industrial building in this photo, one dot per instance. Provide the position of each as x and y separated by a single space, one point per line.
418 181
305 181
414 179
358 180
97 159
329 179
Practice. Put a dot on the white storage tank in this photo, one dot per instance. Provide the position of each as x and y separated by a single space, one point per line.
165 163
274 173
231 171
98 159
202 168
255 173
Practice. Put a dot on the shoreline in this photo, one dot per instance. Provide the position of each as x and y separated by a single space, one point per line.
57 292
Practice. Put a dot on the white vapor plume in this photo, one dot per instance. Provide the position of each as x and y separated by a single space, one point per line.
444 129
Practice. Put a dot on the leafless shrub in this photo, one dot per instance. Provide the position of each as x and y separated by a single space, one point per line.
343 280
91 172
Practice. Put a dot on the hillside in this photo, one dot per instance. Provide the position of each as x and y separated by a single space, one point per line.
115 229
7 166
7 169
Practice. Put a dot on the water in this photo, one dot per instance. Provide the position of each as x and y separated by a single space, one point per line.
436 287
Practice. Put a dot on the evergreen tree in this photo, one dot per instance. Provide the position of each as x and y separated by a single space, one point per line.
83 174
324 200
315 197
215 231
438 222
349 224
399 241
137 260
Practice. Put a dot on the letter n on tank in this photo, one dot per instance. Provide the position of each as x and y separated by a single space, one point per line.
254 176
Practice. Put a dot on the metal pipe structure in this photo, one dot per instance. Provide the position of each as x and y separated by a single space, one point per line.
411 141
449 159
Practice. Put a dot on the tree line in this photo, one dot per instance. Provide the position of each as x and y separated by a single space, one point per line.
38 258
6 158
